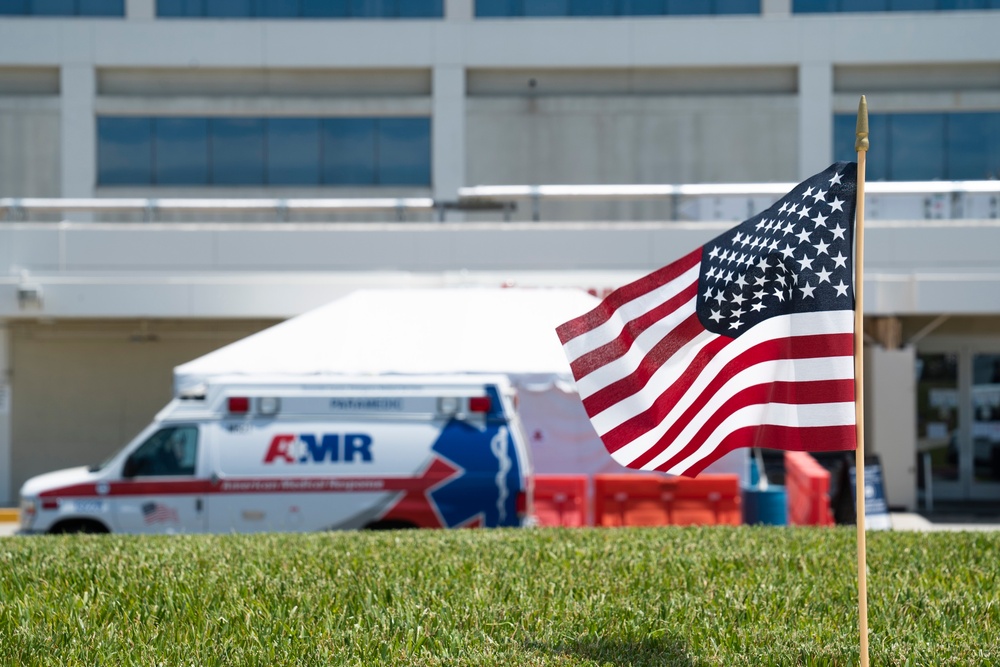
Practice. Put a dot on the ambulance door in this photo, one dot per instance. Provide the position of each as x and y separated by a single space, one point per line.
161 489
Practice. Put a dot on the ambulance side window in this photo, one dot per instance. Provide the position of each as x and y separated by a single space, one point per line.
169 451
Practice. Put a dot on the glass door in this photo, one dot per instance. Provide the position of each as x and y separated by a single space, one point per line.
937 425
985 431
958 424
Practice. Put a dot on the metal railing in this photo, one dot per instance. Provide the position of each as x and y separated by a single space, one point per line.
725 201
753 195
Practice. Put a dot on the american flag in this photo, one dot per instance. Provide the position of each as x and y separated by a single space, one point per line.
746 342
158 513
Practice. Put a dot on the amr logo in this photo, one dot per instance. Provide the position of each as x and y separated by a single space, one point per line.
332 447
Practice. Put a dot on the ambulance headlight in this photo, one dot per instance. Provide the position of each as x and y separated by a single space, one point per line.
269 405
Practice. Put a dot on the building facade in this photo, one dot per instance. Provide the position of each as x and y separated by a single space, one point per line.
292 99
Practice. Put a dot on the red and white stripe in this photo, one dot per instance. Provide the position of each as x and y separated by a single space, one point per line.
665 394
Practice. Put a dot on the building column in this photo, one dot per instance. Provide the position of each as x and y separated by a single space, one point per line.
458 10
78 131
776 7
815 117
6 456
448 131
140 10
891 420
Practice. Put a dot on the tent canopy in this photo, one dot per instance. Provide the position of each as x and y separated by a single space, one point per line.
412 332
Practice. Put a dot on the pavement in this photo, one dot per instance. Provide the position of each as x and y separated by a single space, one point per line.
910 521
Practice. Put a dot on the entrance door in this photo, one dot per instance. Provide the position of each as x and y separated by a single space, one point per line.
985 425
958 424
159 491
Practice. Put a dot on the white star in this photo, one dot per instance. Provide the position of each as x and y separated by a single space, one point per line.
791 209
762 264
708 294
838 232
758 294
741 280
806 262
836 205
840 261
819 195
824 276
841 289
803 213
807 291
774 245
757 307
821 247
807 193
780 293
738 299
784 207
759 280
714 252
738 238
820 220
803 237
836 179
787 252
760 223
737 313
718 296
789 229
716 316
736 324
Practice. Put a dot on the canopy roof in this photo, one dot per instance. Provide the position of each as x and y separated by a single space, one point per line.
409 331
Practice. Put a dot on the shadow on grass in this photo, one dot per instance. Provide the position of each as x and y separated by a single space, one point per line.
663 651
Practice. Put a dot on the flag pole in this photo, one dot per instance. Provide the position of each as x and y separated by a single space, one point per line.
861 146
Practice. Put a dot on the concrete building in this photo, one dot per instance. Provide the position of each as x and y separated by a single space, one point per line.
293 99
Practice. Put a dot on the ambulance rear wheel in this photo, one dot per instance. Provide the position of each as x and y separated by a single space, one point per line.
390 525
78 526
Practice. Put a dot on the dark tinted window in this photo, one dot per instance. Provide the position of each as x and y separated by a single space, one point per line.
237 150
349 146
187 151
925 146
180 151
124 151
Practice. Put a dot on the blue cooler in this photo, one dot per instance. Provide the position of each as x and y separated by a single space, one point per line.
765 506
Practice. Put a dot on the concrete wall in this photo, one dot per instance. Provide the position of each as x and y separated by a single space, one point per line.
80 390
570 139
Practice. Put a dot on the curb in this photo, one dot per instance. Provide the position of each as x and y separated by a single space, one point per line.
9 514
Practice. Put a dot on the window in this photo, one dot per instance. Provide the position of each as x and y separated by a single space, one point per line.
184 151
821 6
926 146
168 452
62 8
267 9
595 8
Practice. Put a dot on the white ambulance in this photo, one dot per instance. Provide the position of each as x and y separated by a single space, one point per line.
239 455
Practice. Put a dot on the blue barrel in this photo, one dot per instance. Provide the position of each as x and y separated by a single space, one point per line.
765 506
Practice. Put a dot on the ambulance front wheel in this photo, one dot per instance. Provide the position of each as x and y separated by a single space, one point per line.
78 526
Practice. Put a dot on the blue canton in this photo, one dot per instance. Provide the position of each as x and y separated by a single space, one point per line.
795 257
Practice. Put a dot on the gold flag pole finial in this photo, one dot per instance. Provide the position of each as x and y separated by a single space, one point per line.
861 142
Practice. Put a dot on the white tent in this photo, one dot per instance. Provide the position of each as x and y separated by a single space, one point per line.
438 331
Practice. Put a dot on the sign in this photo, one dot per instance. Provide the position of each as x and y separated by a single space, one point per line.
876 506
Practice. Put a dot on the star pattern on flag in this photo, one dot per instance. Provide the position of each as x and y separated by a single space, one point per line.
797 256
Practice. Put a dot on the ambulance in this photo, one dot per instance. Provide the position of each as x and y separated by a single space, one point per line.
244 455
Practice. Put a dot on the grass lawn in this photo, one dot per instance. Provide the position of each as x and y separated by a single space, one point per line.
656 596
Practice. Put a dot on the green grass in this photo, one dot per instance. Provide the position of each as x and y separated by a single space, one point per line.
658 596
